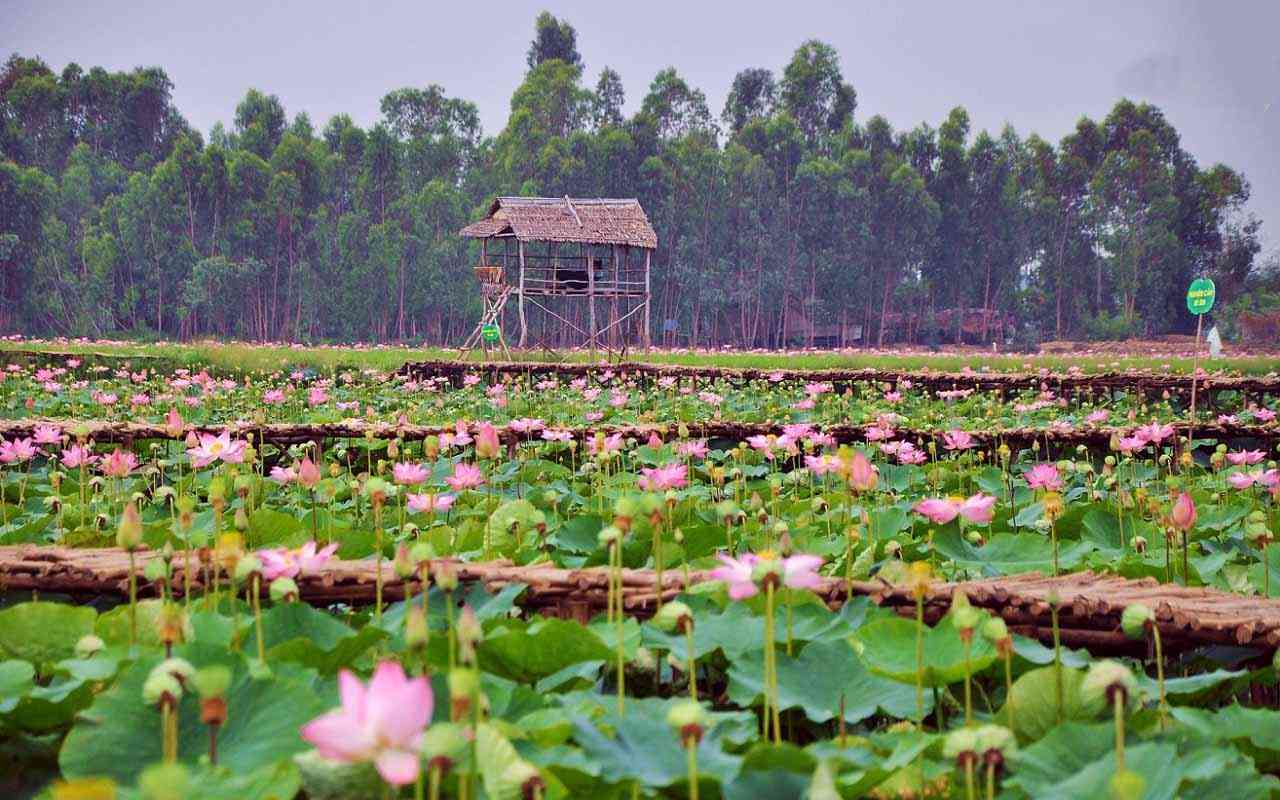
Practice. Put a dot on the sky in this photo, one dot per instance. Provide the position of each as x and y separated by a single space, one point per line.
1213 67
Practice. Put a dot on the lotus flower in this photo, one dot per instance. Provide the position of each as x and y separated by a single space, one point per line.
957 440
410 474
487 445
1044 476
77 455
692 448
557 435
308 473
937 510
862 474
1243 457
119 464
429 503
47 434
660 479
306 560
1243 480
217 448
798 572
978 509
1183 515
17 451
465 476
1155 433
283 475
382 723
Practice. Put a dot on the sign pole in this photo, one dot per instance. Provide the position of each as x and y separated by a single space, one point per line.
1200 296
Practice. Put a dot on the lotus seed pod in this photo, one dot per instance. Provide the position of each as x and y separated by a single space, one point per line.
964 617
155 570
995 738
960 743
160 685
1135 619
1127 785
284 589
672 617
246 567
443 744
689 719
212 681
241 519
88 646
1103 680
421 552
995 630
165 782
608 536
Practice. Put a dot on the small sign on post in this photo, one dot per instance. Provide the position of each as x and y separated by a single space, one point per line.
490 332
1200 296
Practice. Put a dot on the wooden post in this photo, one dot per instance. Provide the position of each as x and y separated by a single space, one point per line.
1195 367
591 300
647 342
524 326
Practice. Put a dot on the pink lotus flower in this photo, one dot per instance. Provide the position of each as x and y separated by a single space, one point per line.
1131 444
1264 414
283 475
824 464
660 479
692 448
908 453
77 455
430 503
308 473
938 511
1242 457
1183 515
798 572
217 448
306 560
273 397
525 425
119 464
465 476
957 440
763 444
863 475
409 474
47 434
487 445
655 441
1269 479
382 723
1044 476
603 445
1243 480
557 435
878 433
1097 417
1155 433
17 451
978 509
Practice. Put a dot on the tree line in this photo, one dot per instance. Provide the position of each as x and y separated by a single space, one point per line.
783 218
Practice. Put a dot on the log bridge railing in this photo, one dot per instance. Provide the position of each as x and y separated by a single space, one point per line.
1090 604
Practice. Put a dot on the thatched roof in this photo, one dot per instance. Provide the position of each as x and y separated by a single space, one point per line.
565 219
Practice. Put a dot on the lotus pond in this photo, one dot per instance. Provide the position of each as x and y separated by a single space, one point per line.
747 685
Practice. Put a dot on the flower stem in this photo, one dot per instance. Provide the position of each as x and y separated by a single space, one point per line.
693 667
1057 661
1164 705
620 623
377 554
691 751
1008 685
968 777
968 680
1119 708
133 599
257 618
920 661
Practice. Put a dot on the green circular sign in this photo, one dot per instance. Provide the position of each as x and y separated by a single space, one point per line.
490 332
1200 296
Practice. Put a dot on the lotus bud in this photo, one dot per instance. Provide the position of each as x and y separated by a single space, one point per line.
995 630
403 563
469 634
129 531
172 624
155 570
609 535
464 684
241 519
964 617
446 576
1135 620
961 745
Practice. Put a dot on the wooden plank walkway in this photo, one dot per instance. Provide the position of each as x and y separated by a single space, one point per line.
294 433
1090 604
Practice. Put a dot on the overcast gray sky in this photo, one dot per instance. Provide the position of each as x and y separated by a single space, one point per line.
1214 67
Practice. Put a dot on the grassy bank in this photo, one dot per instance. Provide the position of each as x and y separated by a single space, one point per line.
248 357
